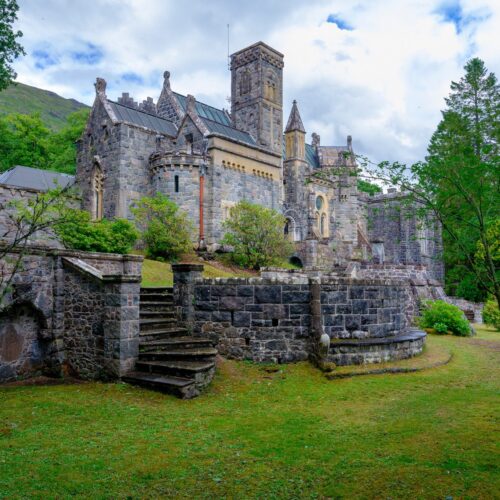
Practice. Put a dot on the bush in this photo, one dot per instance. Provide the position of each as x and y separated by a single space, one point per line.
491 314
78 232
256 235
444 317
165 230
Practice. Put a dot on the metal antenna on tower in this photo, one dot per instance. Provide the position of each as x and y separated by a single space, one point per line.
228 61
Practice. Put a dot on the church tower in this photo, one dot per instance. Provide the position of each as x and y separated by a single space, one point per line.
257 94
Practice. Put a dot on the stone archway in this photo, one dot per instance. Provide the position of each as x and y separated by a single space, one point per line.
22 351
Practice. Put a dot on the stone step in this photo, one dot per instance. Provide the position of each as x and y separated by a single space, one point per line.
156 323
161 334
175 343
173 354
146 289
176 368
178 386
157 297
156 314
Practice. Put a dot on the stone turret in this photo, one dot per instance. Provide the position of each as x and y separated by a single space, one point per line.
295 135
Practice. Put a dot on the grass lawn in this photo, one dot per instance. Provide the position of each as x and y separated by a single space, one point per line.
293 433
156 273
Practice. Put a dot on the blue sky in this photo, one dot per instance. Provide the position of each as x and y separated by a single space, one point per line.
375 69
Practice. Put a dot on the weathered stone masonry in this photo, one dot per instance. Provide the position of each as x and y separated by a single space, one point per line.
270 320
71 312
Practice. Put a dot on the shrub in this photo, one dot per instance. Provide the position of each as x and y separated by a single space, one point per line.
444 317
78 232
491 314
256 235
165 230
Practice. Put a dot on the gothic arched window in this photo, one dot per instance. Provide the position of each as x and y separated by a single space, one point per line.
323 225
97 192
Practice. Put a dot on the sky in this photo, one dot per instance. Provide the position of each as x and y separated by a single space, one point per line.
375 69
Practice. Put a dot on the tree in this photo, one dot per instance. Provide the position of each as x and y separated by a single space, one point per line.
23 220
256 235
10 48
459 182
165 230
78 232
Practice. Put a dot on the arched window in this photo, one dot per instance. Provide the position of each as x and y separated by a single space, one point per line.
97 192
245 82
322 216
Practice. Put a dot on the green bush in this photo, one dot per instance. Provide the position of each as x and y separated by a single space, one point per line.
256 235
444 317
491 314
78 232
165 230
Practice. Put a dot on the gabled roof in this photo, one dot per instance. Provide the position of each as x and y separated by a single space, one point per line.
35 178
294 120
143 119
205 111
228 131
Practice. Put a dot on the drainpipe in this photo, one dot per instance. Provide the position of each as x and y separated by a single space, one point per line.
201 242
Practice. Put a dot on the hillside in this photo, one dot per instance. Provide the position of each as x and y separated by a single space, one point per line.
25 99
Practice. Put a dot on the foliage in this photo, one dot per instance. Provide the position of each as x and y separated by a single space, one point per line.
25 219
25 140
256 235
431 434
491 314
459 183
24 99
165 230
10 48
79 232
444 317
368 187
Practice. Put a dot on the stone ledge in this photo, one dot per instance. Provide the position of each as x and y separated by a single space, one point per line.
409 335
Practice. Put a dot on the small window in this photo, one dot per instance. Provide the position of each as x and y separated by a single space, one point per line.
176 183
319 202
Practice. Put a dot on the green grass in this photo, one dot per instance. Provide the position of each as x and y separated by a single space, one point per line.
253 434
25 99
156 273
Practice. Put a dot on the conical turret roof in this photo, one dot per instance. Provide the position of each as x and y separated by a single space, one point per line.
295 121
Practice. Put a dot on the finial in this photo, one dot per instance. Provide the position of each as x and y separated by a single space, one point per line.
166 79
190 104
100 85
349 142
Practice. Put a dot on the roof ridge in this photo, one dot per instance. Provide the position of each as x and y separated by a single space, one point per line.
140 110
200 102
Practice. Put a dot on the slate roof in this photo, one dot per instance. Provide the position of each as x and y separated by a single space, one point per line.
205 111
312 157
35 178
228 131
143 119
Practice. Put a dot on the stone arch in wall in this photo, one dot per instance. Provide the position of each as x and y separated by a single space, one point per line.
321 215
292 229
23 349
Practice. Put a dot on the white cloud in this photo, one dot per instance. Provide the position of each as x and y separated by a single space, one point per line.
383 81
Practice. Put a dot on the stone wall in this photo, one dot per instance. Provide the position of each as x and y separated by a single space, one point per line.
266 319
70 311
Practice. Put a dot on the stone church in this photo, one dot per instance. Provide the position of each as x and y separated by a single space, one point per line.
207 159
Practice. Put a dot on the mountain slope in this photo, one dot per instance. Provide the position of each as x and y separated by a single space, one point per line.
25 99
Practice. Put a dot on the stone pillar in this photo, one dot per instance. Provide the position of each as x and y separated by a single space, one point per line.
316 356
185 276
121 327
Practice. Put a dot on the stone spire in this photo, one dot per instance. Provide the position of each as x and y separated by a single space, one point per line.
295 121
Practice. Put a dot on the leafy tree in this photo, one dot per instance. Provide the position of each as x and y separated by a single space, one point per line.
62 145
459 183
79 232
256 235
368 187
28 140
165 230
23 220
10 48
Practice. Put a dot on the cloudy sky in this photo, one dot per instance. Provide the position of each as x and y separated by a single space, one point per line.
375 69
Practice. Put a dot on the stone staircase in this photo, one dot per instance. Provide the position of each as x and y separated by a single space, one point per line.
170 360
